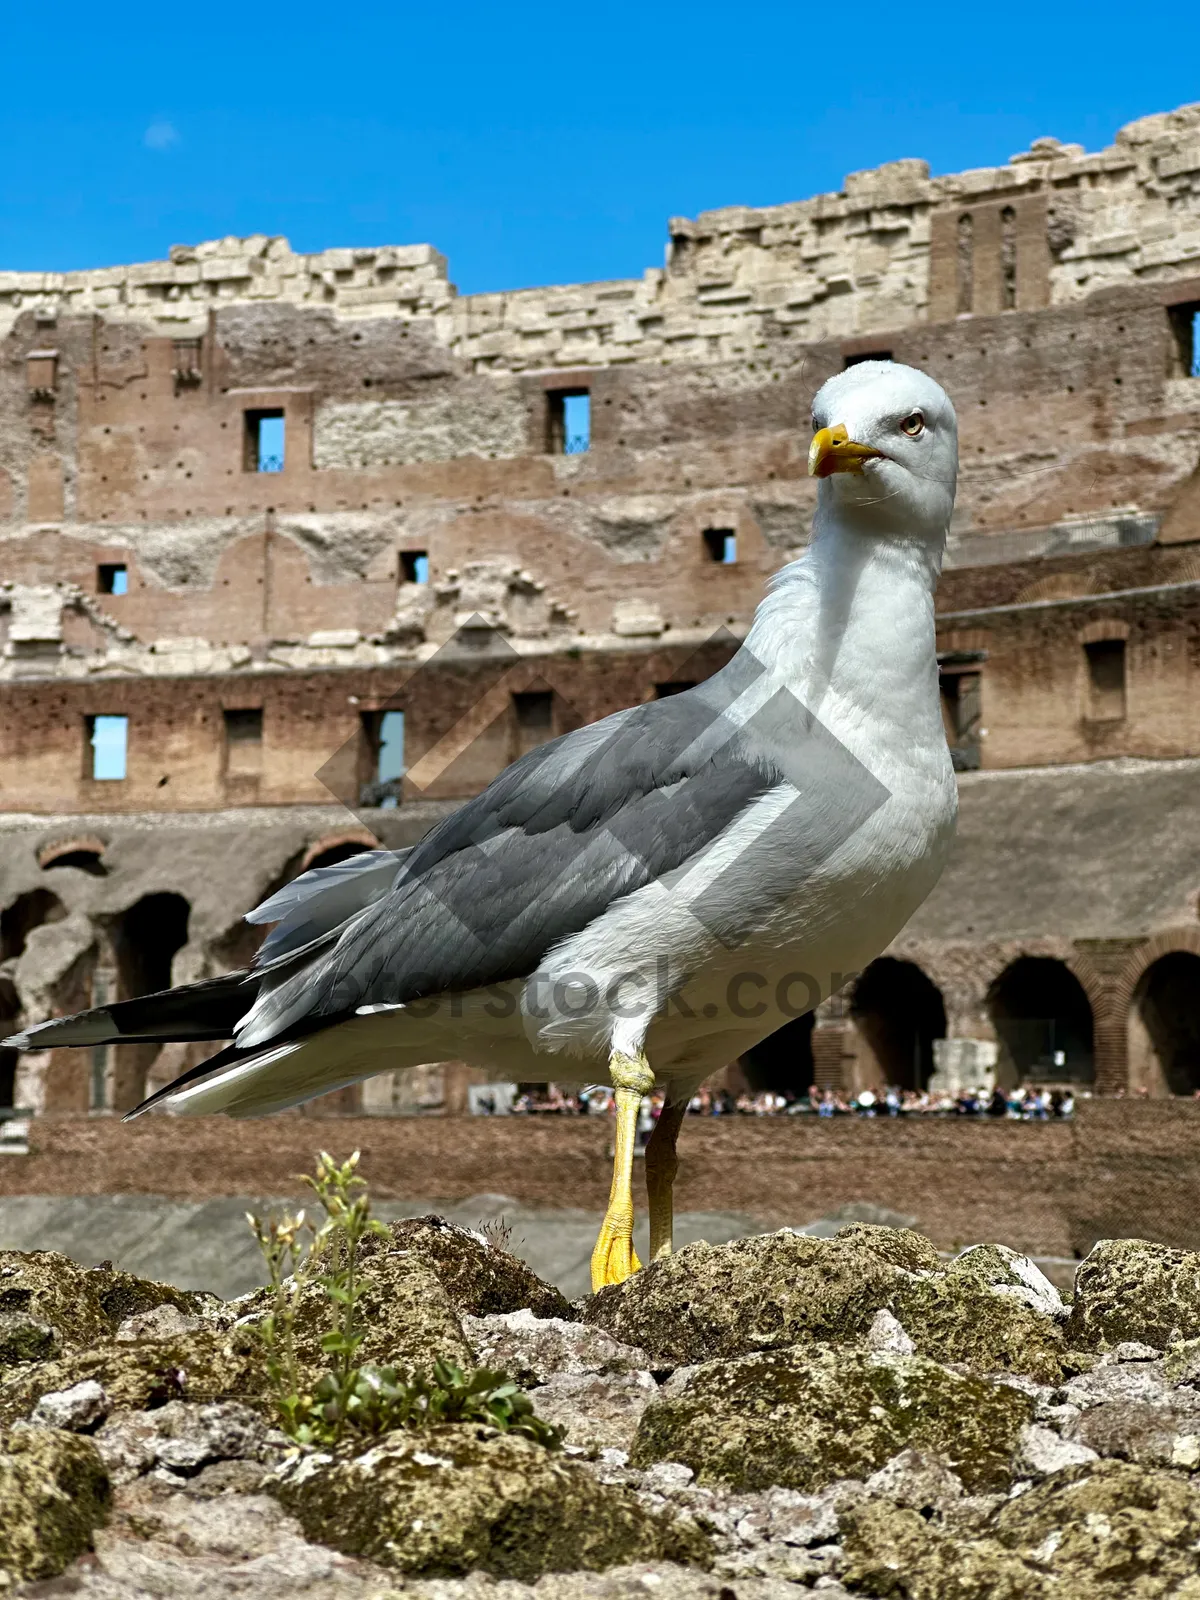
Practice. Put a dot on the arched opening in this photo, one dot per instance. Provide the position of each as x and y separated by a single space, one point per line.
10 1010
145 940
1165 1036
84 852
1043 1023
342 851
782 1062
898 1012
27 912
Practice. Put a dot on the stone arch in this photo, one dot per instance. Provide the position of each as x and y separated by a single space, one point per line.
335 847
145 940
85 851
1149 996
898 1012
1044 1023
10 1011
783 1061
28 911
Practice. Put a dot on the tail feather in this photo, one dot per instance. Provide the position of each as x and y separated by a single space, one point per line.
195 1011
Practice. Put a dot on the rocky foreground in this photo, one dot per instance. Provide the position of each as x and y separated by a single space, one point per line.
742 1422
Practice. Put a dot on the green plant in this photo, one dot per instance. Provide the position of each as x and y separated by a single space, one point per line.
365 1399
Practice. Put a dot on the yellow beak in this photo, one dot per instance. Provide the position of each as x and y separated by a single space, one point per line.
833 450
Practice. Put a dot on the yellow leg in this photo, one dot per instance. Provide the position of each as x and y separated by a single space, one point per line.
613 1259
661 1167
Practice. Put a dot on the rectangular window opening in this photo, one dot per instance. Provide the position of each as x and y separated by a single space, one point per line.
414 566
533 712
867 355
264 441
383 732
1185 331
962 705
243 741
569 422
106 747
721 545
1106 679
112 579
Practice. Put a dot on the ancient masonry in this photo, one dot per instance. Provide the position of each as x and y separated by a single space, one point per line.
297 551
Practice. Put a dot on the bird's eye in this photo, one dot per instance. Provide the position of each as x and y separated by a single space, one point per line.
913 424
815 425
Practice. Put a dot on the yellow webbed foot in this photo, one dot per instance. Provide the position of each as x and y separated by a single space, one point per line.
614 1259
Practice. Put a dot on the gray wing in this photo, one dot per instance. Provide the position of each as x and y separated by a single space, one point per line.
538 855
322 899
574 826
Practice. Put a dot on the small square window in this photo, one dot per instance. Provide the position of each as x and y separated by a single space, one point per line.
720 545
112 579
264 441
414 566
569 422
106 747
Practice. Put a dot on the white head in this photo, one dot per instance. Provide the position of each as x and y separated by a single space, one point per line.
885 446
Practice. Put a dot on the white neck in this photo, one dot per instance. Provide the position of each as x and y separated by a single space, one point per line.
850 625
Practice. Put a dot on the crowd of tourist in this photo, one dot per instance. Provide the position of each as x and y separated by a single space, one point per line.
1024 1104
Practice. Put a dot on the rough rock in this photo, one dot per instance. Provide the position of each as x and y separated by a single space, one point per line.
599 1411
804 1418
1136 1430
536 1349
456 1499
917 1478
160 1322
208 1365
123 1295
712 1302
1130 1289
1042 1451
53 1492
480 1279
1182 1363
167 1544
1008 1273
183 1438
886 1333
51 1291
407 1314
24 1338
1102 1531
959 1316
77 1409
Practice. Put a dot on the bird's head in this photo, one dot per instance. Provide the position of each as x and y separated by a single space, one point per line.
885 447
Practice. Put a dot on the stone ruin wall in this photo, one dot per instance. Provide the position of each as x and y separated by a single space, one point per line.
417 419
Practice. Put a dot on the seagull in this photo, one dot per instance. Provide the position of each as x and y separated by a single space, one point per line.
647 897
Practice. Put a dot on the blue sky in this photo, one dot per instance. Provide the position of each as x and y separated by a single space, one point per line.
532 144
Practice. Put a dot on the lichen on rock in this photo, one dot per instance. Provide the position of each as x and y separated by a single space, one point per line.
712 1302
1105 1530
53 1492
457 1499
406 1315
1131 1289
479 1278
959 1317
804 1418
43 1288
207 1365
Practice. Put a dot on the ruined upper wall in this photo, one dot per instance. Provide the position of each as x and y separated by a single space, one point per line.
889 249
